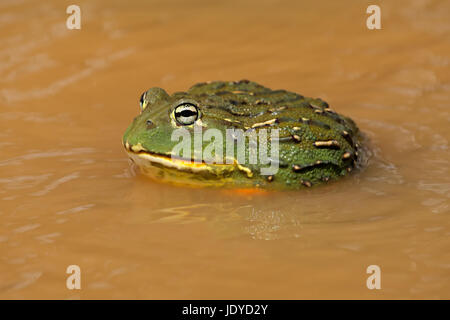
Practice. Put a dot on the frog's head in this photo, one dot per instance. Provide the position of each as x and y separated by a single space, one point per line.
148 140
160 115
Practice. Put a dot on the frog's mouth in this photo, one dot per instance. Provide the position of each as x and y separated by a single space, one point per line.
145 159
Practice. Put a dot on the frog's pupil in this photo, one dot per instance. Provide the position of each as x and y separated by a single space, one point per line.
186 113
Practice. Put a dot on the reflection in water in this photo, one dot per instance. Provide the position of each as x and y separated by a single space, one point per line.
68 194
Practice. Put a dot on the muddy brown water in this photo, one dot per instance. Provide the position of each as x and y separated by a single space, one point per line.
68 194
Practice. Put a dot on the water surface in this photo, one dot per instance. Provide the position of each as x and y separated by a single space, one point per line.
68 194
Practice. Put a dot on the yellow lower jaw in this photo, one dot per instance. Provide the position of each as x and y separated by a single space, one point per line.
183 172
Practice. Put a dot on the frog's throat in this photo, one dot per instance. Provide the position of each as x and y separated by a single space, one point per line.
144 158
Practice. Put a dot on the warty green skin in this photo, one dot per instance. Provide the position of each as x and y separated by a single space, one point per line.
316 144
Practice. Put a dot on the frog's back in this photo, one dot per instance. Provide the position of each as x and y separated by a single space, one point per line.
316 144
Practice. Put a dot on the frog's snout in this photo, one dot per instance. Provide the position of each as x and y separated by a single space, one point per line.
127 146
136 148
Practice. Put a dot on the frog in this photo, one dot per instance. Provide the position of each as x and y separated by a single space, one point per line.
315 144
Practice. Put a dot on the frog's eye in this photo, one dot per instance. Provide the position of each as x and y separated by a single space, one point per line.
142 101
186 114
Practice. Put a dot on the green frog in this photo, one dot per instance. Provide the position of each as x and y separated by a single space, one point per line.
314 143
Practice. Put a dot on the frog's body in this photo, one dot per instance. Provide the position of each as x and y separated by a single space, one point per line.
315 143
